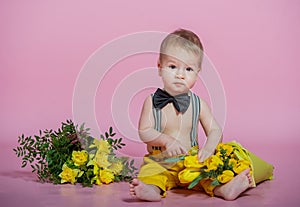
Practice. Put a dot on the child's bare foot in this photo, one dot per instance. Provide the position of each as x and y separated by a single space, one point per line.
236 186
143 191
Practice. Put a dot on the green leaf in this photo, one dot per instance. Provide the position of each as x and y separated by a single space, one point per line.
37 137
215 182
110 141
174 159
195 181
24 163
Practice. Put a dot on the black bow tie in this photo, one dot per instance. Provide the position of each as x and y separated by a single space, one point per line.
161 98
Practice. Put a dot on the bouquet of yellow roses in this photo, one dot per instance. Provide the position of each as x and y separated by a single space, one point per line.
228 161
70 155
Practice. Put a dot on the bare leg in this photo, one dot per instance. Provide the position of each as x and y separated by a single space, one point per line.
235 187
144 191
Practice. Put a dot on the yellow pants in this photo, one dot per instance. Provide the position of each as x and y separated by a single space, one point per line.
165 174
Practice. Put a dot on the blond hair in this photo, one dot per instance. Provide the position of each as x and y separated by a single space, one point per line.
184 39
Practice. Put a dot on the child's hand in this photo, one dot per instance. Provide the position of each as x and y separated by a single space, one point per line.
203 154
175 148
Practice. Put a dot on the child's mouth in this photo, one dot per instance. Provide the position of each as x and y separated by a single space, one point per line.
179 84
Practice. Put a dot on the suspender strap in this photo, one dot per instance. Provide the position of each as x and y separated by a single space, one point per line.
195 120
157 122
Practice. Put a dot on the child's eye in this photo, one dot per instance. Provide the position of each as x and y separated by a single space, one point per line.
189 69
172 66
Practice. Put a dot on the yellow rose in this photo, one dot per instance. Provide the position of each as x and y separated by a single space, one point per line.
106 176
68 175
218 154
102 160
228 148
116 167
188 175
220 145
192 161
232 162
212 163
226 176
103 146
80 157
241 166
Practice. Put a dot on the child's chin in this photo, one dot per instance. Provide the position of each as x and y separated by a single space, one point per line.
181 91
178 90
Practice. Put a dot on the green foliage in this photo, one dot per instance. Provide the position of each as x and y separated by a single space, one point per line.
128 172
48 151
115 143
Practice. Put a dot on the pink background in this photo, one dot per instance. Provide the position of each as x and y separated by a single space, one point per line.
253 45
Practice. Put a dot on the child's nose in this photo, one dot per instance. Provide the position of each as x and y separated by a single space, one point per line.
180 73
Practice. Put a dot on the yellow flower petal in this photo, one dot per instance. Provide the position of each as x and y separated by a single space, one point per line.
241 166
193 150
106 176
232 161
80 157
116 167
103 146
213 162
102 160
226 176
68 175
192 161
188 175
228 148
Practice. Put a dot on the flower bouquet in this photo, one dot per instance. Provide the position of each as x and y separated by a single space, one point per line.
228 161
71 155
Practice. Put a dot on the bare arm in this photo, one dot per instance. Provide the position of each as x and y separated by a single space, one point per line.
152 137
212 130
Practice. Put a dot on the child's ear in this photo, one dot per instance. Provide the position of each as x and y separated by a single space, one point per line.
158 64
159 67
199 69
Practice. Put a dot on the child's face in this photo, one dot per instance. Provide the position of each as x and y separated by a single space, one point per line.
179 70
